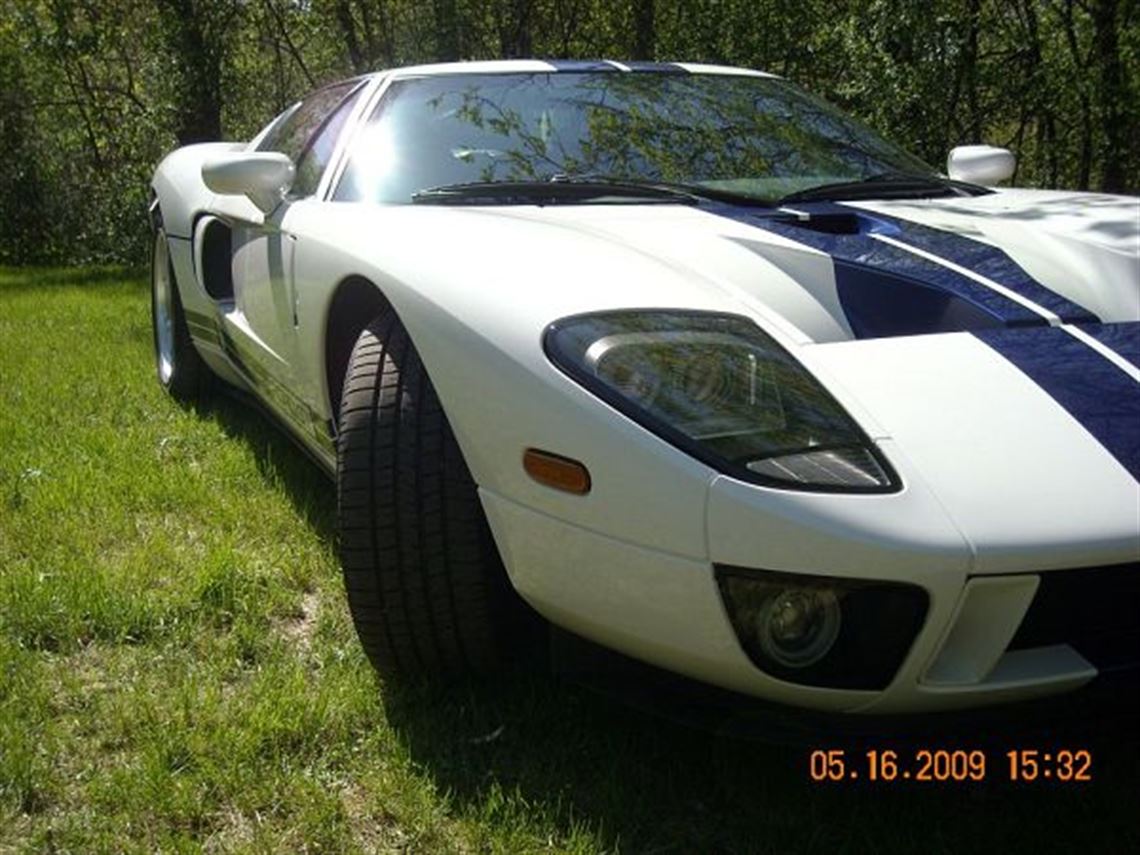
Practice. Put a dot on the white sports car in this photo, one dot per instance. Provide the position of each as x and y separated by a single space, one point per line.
701 369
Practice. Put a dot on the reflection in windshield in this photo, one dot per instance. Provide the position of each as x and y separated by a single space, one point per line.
756 136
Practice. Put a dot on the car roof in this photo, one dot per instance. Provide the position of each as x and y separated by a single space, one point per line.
543 66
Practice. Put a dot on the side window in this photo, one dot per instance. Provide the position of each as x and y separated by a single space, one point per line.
266 137
290 136
315 158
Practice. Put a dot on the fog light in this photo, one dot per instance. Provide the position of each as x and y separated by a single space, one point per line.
798 626
827 631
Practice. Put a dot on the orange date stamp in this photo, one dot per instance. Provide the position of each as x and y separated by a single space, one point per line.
950 765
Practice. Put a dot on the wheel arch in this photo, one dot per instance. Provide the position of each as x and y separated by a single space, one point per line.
154 209
355 303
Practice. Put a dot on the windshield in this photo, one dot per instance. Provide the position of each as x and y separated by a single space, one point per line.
758 137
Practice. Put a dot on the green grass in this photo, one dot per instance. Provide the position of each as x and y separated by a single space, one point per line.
178 671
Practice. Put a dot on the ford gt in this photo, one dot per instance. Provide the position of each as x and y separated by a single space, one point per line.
689 364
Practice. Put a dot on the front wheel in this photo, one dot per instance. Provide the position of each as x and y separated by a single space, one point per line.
426 588
180 369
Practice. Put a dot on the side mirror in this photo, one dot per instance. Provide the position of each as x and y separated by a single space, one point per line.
264 176
980 164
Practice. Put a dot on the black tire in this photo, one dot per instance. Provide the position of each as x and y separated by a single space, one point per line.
179 367
426 588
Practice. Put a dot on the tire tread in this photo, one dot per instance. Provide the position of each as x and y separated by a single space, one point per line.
426 589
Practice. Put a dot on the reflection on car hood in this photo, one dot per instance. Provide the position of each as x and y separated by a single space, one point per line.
873 270
1084 244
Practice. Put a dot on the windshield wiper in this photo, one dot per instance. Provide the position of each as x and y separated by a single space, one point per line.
551 191
697 192
886 185
575 187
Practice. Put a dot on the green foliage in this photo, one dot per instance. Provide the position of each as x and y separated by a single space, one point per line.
94 92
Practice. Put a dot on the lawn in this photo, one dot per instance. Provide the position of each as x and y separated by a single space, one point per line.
178 671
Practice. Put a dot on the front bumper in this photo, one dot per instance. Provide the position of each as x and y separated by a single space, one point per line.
665 609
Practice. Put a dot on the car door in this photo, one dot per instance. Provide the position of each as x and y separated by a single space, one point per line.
260 326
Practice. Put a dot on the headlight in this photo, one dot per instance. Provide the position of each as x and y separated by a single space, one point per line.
719 388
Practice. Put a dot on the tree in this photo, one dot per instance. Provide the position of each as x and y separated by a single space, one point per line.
88 105
194 35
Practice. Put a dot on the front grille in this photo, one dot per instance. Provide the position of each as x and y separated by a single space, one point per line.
1095 610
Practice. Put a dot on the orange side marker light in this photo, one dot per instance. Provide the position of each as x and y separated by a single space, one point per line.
556 471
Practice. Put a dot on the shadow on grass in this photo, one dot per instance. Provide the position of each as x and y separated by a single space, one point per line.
278 458
646 783
527 752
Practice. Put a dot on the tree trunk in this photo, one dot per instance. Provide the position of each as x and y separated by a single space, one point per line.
644 31
1113 96
446 30
970 61
514 30
351 42
196 49
1084 162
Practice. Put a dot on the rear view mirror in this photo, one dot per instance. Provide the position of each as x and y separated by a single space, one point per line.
980 164
263 176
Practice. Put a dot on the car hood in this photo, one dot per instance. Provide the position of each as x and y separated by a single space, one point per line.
871 270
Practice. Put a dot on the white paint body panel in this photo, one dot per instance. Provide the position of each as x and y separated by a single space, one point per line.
1004 456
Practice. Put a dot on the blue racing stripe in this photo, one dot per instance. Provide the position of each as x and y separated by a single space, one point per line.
882 308
1123 339
1100 396
878 305
863 251
884 290
989 261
